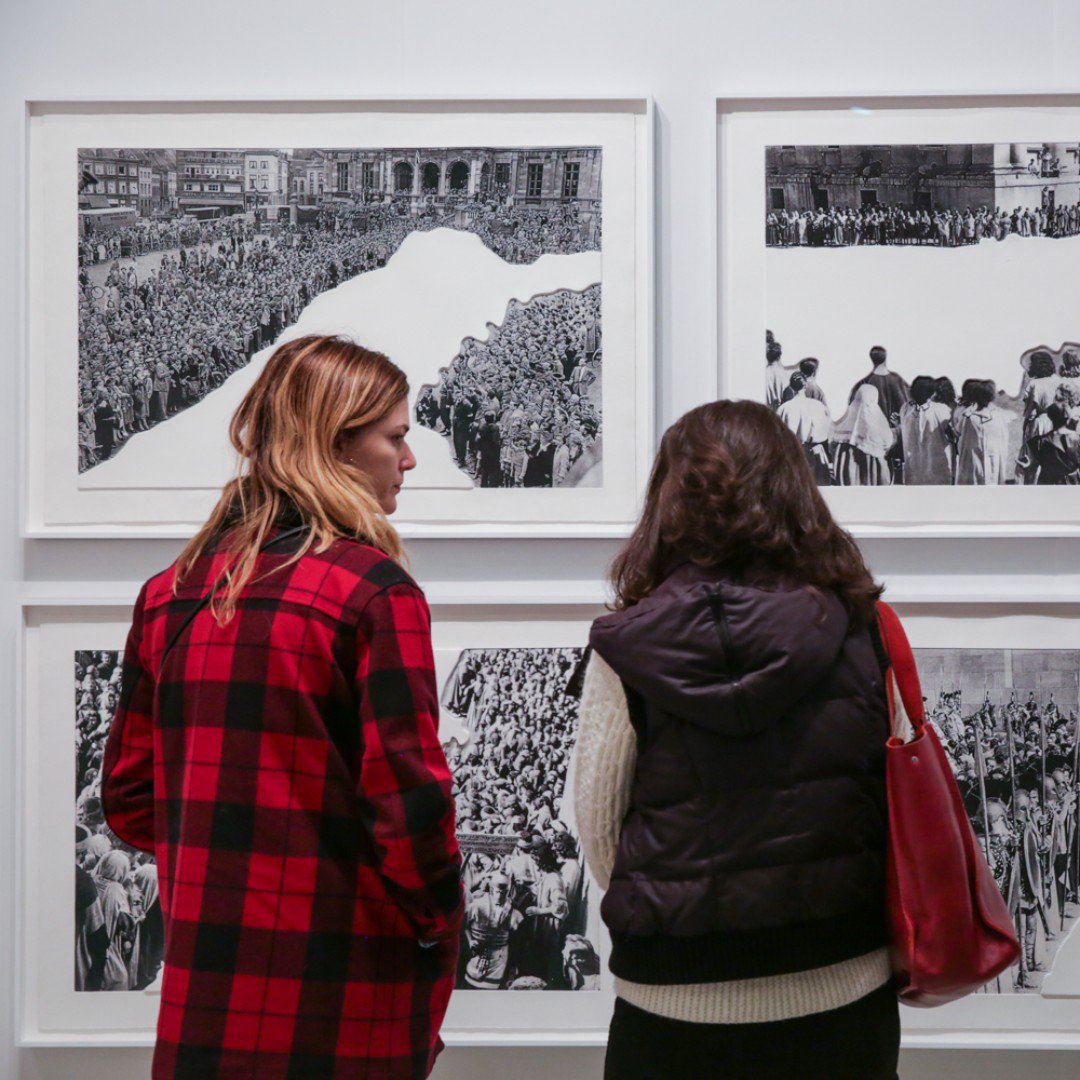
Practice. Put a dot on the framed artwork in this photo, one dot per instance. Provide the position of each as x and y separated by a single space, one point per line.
893 279
498 252
1001 685
509 730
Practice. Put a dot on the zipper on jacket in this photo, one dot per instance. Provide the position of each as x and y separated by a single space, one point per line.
723 627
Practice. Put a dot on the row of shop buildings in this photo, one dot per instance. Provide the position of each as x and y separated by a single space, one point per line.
273 182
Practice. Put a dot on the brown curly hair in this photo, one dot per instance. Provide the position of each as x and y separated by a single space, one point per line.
732 488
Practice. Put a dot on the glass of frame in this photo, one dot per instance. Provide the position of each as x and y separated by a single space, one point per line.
501 669
874 241
498 251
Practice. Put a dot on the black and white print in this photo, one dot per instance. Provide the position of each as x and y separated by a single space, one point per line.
1007 720
119 934
523 408
527 922
193 261
936 195
920 329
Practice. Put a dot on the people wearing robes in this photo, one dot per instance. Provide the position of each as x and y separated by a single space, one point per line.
892 390
151 928
809 419
1030 896
91 942
776 377
1038 389
489 919
573 875
863 440
982 453
926 436
1057 453
109 877
945 392
808 368
893 394
543 928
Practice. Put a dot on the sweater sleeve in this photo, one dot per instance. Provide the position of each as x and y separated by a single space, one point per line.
604 771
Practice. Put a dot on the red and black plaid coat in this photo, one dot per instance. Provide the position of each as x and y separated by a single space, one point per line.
286 771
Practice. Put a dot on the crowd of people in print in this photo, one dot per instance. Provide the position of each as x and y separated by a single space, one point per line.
158 332
926 431
878 224
523 408
119 932
526 921
1016 764
159 234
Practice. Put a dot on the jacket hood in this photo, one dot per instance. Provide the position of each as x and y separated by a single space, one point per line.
730 658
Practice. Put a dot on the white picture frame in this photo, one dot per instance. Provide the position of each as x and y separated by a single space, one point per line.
745 125
58 501
992 1021
52 1013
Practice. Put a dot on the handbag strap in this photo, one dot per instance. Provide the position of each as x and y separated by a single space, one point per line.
901 665
209 595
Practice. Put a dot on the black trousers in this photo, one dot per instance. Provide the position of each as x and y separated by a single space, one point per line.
860 1041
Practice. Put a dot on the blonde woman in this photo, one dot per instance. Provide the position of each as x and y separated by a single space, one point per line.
276 748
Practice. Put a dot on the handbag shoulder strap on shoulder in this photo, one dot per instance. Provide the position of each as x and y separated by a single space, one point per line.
288 534
901 664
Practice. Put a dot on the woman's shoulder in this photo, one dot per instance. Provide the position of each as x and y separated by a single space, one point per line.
358 572
347 575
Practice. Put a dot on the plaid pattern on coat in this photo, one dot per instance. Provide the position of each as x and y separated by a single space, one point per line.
287 773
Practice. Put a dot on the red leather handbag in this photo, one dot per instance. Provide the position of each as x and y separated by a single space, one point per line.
949 928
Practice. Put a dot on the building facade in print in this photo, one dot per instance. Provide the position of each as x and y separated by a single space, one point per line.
210 182
930 176
266 181
117 186
109 178
540 178
307 176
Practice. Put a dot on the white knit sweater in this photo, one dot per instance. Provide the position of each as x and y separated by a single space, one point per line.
606 757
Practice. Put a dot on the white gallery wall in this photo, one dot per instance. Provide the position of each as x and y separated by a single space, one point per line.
683 54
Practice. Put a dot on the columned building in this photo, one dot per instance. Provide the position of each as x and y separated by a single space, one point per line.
446 179
931 176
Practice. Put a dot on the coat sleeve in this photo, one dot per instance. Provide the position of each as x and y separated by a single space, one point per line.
127 767
404 776
606 756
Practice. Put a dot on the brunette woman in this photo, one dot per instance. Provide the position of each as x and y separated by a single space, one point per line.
730 783
276 748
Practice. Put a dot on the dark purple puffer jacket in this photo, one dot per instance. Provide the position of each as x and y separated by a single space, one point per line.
755 840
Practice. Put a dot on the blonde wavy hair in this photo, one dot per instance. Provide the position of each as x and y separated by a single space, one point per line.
287 432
